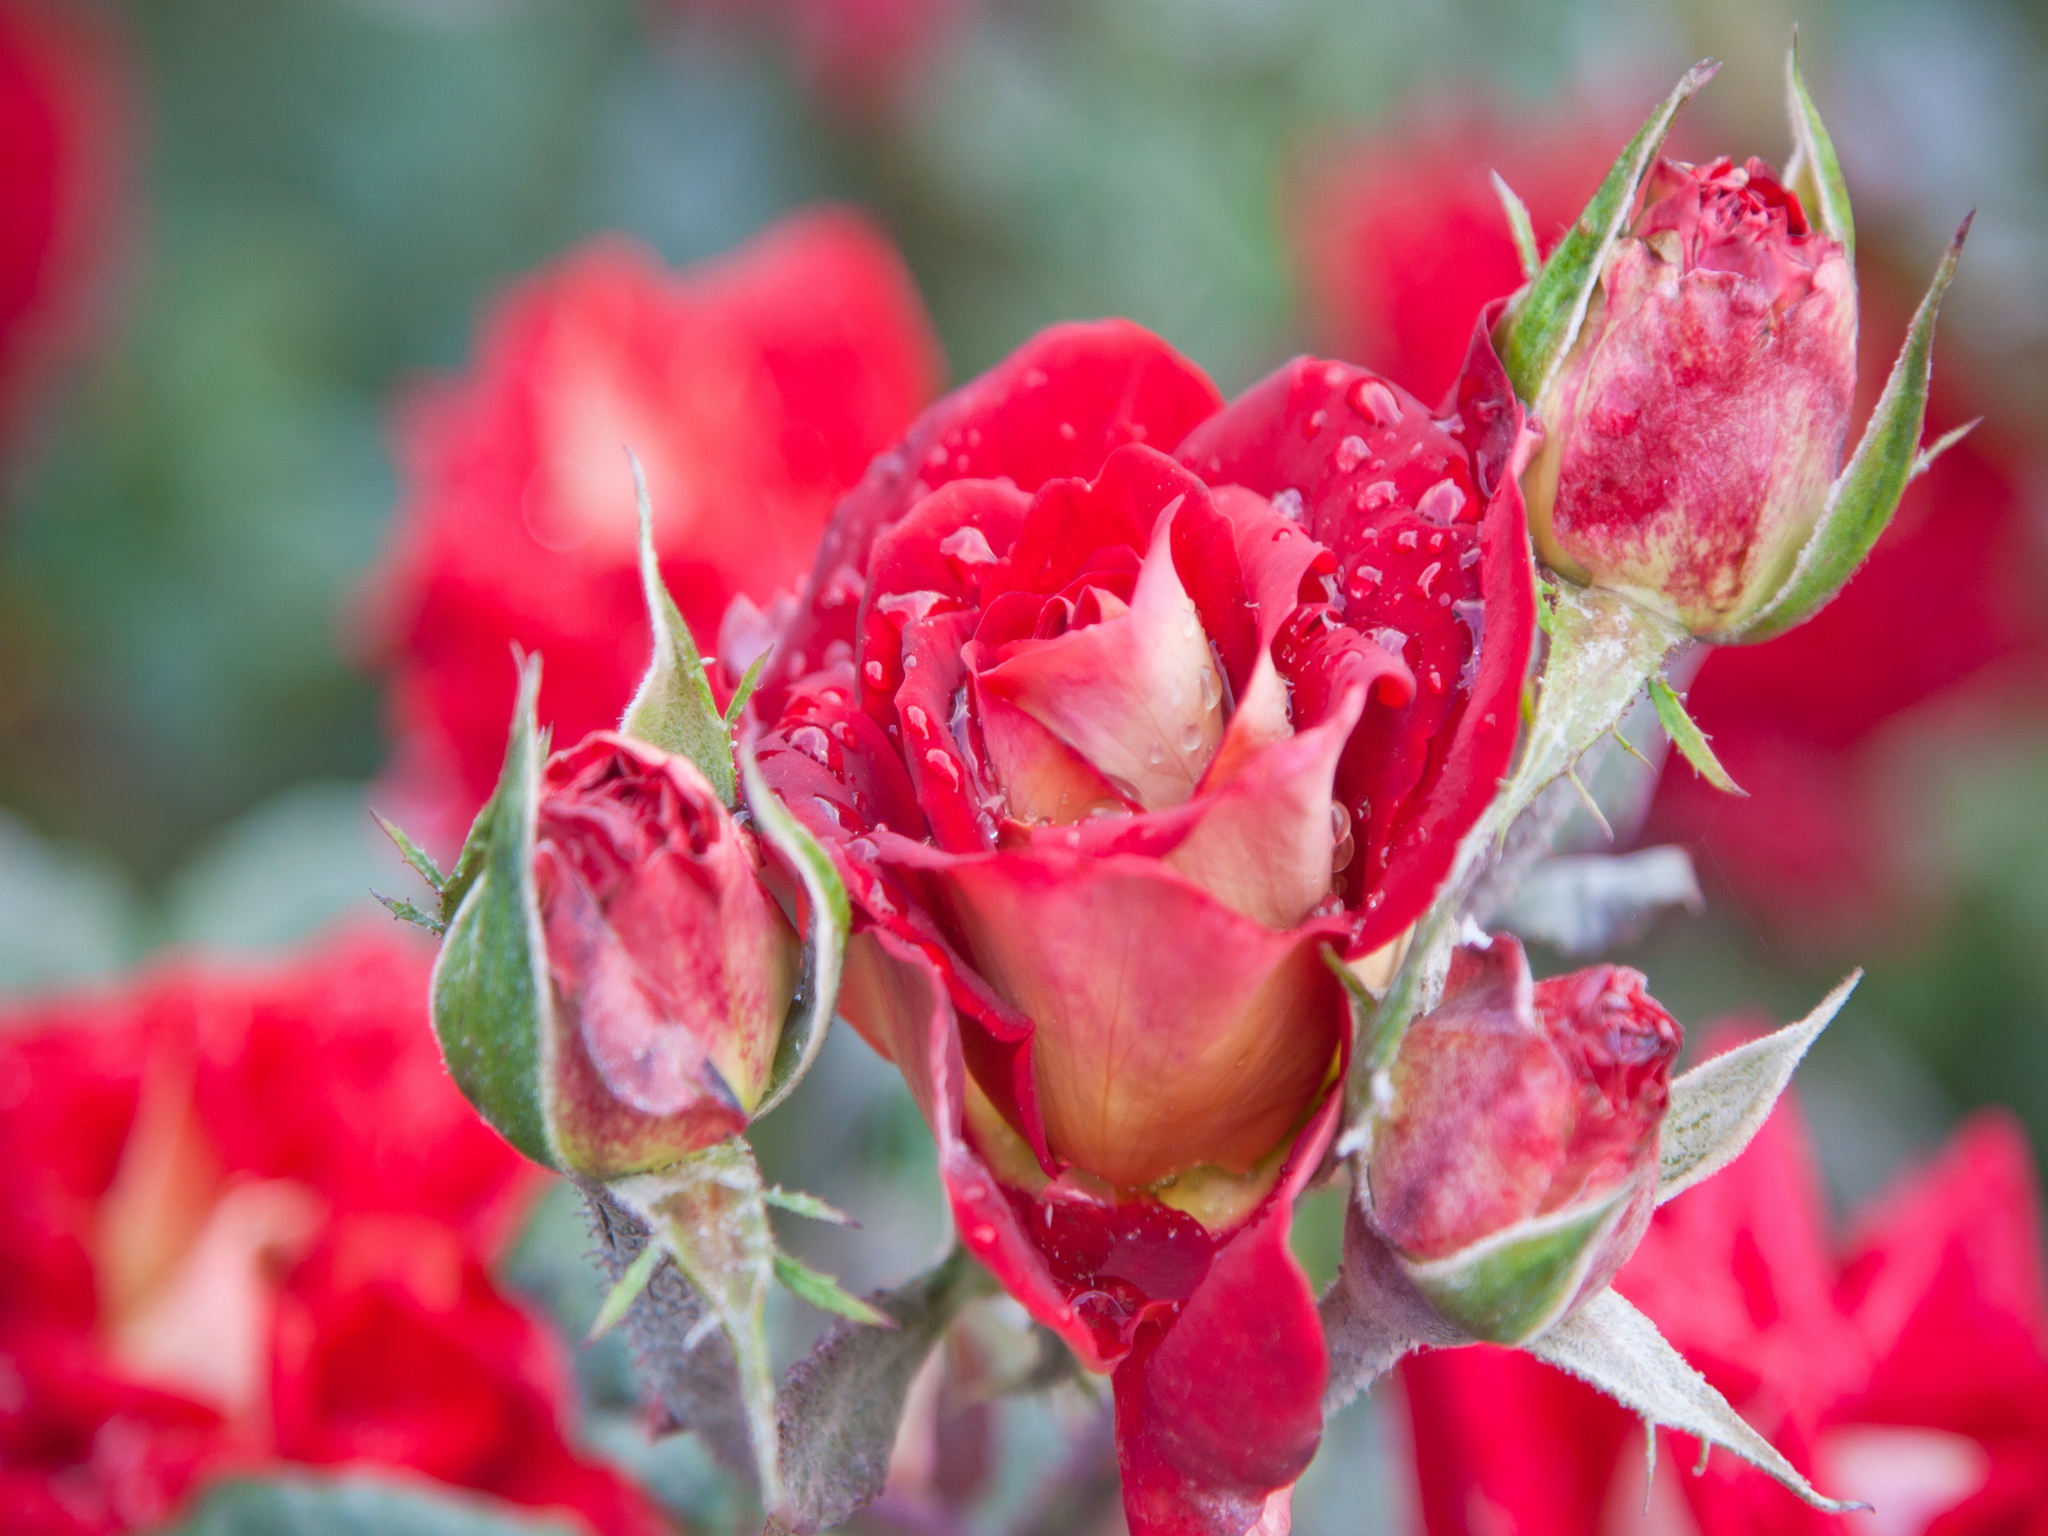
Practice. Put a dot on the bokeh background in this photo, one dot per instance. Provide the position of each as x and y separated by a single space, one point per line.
285 213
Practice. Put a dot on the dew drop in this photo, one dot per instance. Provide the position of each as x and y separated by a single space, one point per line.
1067 432
1156 756
1436 681
1375 402
1406 539
943 765
1288 504
813 743
1212 689
1350 454
874 674
1469 559
1428 578
1190 737
967 546
918 720
1442 502
1312 423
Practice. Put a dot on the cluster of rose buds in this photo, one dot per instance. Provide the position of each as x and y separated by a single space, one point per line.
1136 757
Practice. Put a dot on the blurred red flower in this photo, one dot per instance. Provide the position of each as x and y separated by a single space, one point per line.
64 125
243 1218
1403 241
754 390
1909 1369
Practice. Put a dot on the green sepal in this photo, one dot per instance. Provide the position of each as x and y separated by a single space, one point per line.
709 1215
1721 1103
748 683
490 990
831 915
1510 1287
1540 327
413 854
1519 226
674 709
1863 498
797 1203
618 1301
1690 740
826 1294
1611 1346
406 912
1814 175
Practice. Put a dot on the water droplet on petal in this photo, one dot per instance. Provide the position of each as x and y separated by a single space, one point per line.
1190 737
1442 502
1350 454
874 674
1375 402
1212 690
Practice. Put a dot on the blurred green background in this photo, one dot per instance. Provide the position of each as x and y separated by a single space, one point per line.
327 191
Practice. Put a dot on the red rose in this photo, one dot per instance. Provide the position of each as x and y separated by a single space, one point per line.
1111 747
672 966
1521 1114
204 1169
64 119
394 1348
1914 1370
753 389
1694 429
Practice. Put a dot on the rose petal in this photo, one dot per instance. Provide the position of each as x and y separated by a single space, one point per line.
1057 406
1169 1030
1137 696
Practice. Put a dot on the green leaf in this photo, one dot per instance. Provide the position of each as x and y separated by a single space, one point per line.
413 853
798 1203
1511 1286
355 1504
810 1013
1862 500
1539 329
1720 1104
490 990
1814 174
826 1294
1610 1345
1519 226
1690 740
625 1291
708 1212
842 1403
674 709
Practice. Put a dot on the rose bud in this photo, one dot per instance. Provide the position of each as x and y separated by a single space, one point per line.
614 984
1154 708
1697 423
1514 1154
